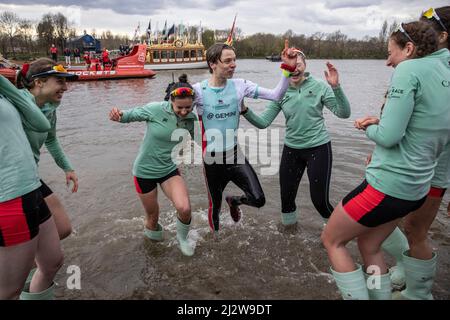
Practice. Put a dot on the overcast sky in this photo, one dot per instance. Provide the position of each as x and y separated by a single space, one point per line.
356 18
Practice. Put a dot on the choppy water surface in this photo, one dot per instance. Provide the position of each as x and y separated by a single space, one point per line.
254 259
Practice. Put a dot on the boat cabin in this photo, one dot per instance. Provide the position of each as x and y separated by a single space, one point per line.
177 52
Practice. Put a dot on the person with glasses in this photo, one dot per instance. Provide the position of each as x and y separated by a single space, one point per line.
416 261
154 164
410 136
307 143
37 219
418 223
219 102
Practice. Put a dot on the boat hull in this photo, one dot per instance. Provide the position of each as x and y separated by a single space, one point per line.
9 74
84 75
176 66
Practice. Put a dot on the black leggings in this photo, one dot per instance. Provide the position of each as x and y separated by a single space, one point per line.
318 162
217 177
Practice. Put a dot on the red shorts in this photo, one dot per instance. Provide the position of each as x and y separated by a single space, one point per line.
436 192
20 218
372 208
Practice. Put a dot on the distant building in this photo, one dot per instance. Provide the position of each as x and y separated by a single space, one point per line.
85 43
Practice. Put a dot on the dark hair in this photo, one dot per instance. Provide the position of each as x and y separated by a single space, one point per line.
214 53
444 15
38 66
182 83
424 37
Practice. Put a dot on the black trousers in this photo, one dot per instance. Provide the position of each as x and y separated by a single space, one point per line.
218 175
317 161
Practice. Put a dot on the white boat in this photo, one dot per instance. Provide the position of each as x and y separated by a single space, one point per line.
175 56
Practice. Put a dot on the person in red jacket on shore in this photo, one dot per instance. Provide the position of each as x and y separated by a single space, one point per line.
54 52
87 59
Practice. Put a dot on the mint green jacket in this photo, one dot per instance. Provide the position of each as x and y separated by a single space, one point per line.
303 110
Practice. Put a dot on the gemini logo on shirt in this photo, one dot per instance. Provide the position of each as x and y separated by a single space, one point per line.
446 83
221 116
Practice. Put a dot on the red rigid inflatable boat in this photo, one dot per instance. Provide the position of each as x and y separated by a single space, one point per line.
8 69
129 66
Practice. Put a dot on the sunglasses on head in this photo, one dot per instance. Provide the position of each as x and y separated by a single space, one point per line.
55 70
182 92
430 14
400 29
300 53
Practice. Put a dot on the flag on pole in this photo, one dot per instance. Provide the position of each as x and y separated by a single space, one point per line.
171 31
149 32
137 31
230 35
164 31
199 34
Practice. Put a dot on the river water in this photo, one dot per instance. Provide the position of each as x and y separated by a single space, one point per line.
255 259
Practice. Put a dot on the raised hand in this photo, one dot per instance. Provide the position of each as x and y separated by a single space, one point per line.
332 75
288 55
115 114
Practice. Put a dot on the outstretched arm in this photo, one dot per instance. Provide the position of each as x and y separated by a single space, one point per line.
266 118
136 114
289 59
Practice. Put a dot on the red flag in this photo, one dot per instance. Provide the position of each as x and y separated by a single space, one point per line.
230 35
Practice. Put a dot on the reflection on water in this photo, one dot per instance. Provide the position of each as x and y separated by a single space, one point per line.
254 259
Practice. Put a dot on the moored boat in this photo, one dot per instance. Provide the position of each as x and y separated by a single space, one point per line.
8 69
175 55
124 67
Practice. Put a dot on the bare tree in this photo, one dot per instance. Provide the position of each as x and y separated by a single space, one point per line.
46 31
318 36
10 25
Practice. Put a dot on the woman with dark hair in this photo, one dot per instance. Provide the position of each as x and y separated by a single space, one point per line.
417 224
154 164
416 261
410 136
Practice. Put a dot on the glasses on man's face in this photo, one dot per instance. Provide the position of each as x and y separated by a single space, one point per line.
400 29
430 14
183 91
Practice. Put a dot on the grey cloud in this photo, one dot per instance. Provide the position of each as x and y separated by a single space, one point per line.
138 7
338 4
322 17
122 7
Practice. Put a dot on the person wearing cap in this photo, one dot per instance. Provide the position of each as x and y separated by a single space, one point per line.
27 228
21 204
218 102
154 164
410 135
43 83
307 143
